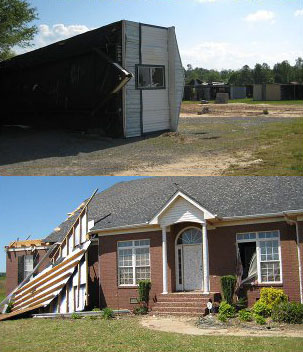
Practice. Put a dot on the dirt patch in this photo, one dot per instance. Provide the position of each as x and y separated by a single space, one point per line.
210 165
187 326
241 110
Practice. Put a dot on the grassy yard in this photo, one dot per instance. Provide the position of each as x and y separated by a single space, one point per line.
280 147
2 288
125 335
251 101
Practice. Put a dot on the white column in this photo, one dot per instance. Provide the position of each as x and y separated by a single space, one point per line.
164 259
205 259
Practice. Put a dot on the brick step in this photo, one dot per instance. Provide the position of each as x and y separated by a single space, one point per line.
178 309
181 304
182 299
187 295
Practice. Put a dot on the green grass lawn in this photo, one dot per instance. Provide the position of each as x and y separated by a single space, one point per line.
251 101
2 288
280 147
125 335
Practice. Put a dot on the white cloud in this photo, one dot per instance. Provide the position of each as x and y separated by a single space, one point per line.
50 34
299 13
260 16
225 55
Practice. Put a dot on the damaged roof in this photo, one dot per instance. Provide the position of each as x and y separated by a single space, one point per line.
136 202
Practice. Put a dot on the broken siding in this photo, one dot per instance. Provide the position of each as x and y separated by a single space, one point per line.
154 51
133 102
176 79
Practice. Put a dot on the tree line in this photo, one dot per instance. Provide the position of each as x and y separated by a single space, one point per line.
282 72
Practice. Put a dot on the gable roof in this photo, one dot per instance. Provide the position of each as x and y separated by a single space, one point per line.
137 202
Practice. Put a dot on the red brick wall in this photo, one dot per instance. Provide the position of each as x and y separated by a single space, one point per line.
222 254
12 267
118 297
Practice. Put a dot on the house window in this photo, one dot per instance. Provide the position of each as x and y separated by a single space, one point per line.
25 266
265 246
133 262
150 77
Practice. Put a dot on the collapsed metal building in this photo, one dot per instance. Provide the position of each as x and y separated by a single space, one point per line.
125 78
277 91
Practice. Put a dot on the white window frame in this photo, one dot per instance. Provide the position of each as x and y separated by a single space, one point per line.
258 240
133 248
26 272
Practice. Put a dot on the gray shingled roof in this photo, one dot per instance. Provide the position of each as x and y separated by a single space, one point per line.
137 201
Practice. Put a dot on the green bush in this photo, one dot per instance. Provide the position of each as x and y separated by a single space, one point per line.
107 313
76 316
227 309
241 304
10 307
228 283
272 296
96 309
259 319
245 315
140 310
222 317
291 313
261 308
143 290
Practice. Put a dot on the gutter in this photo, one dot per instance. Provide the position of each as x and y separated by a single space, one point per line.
298 253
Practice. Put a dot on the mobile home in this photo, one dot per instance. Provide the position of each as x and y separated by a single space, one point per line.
125 78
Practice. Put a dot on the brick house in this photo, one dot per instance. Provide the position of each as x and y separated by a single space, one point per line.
184 234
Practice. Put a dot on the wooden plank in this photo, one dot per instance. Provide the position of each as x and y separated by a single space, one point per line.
42 289
37 298
13 314
48 279
54 269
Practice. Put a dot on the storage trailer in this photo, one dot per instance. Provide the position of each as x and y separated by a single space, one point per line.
125 79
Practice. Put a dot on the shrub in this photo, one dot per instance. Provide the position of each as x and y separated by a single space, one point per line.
241 304
245 315
227 309
96 309
291 313
76 316
265 112
222 317
144 289
259 319
228 283
140 310
107 313
261 308
10 307
272 296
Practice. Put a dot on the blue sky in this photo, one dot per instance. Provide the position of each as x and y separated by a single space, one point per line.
36 205
211 33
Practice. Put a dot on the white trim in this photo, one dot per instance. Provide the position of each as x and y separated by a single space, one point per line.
299 262
207 214
26 248
130 230
257 240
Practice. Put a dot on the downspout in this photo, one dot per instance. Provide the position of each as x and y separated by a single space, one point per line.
299 257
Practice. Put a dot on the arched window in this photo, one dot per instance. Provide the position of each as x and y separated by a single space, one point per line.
190 236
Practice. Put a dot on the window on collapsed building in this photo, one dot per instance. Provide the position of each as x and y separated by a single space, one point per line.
25 266
260 254
133 262
150 77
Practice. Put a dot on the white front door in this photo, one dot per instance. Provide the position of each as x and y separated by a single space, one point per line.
192 267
